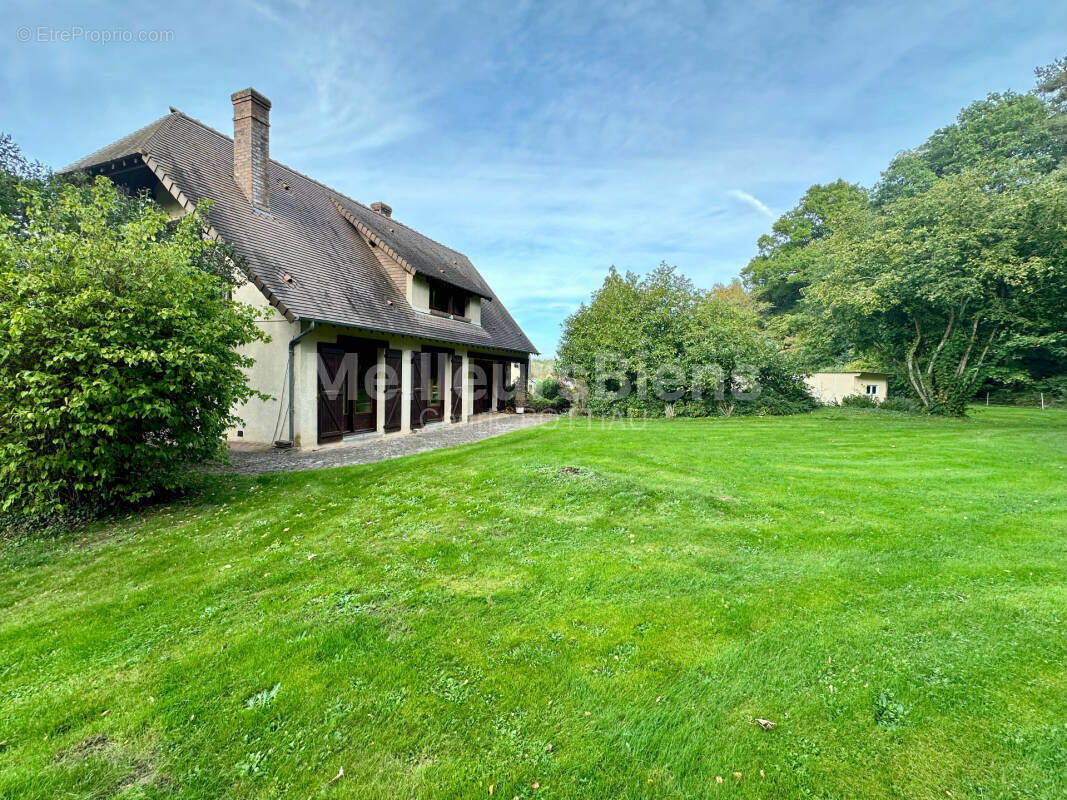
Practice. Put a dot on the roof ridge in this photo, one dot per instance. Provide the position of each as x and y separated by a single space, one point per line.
319 183
137 140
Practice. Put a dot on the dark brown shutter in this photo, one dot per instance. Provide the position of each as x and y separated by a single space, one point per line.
457 388
393 363
331 403
419 372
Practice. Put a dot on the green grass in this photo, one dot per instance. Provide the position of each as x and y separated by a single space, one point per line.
602 610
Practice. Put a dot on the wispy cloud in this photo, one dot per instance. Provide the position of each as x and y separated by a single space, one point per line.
753 201
549 140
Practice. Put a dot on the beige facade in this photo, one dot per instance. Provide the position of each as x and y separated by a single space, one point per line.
830 388
267 421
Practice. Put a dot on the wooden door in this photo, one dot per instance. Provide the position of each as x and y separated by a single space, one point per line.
419 374
435 365
483 386
332 398
393 395
362 401
457 388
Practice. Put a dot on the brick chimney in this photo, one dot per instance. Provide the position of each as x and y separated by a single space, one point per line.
251 146
382 208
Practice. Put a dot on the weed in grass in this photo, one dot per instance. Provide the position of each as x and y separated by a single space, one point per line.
263 698
888 713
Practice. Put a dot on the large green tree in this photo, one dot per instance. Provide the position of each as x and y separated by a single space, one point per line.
951 271
118 366
945 282
789 256
658 345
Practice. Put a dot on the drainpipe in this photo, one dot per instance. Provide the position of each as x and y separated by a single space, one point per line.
292 345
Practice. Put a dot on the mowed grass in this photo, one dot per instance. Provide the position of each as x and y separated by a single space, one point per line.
597 611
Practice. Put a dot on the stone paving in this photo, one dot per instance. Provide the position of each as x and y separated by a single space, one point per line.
366 448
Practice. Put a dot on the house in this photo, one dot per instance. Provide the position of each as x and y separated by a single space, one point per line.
831 387
373 326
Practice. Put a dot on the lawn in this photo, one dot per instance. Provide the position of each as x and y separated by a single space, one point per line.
583 611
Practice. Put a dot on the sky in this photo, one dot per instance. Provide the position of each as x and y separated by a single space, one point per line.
547 141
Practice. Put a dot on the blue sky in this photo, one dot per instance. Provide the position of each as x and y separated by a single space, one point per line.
547 141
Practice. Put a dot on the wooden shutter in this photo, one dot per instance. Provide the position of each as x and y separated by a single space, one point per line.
393 364
331 403
419 372
457 388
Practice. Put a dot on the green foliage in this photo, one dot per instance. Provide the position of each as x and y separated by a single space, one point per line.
16 170
1002 130
789 257
888 712
117 359
548 388
953 274
898 403
658 346
858 401
941 283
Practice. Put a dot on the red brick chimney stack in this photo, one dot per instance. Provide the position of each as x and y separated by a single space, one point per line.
251 146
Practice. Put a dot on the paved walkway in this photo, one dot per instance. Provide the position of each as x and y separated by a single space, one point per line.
365 448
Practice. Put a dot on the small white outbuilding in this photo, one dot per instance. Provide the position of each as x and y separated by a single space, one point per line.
831 387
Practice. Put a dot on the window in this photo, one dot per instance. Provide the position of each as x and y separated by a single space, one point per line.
448 300
872 389
363 401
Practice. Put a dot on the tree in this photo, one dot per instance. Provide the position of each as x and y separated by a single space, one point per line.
960 231
943 283
16 170
118 366
996 132
657 345
1052 88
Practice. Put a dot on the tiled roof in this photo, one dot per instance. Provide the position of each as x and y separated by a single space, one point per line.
308 255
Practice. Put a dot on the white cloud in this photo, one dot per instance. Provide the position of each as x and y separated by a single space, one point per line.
753 201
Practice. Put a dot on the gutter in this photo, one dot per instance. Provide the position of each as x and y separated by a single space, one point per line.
292 345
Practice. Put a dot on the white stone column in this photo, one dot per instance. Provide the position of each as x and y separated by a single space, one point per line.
446 387
494 379
306 392
405 391
468 388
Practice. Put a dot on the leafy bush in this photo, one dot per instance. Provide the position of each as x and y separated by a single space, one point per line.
541 404
117 359
548 388
898 403
858 401
658 346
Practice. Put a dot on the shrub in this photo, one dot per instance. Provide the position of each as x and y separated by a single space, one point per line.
541 404
905 404
117 359
548 388
858 401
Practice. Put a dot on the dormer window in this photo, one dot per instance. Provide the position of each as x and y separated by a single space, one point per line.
445 299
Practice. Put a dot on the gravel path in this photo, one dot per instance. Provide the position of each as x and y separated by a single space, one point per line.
365 448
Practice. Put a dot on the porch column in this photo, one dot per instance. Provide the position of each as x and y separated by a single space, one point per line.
446 386
306 392
522 385
495 379
468 388
405 391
